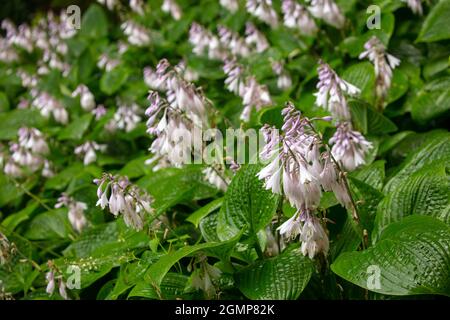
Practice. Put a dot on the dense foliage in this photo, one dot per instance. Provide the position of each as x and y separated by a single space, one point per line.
359 207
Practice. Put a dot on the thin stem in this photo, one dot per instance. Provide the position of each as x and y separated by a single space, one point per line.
36 198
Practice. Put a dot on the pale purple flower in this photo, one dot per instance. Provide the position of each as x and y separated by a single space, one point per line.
48 104
313 237
284 80
383 62
170 6
137 6
255 38
76 211
137 35
230 5
87 99
349 147
110 4
88 151
254 96
235 81
233 42
263 10
126 118
216 176
415 6
332 90
204 42
99 111
123 197
297 17
328 11
107 63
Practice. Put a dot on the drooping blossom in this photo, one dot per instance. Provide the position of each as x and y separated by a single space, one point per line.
263 10
255 96
99 111
137 6
87 99
230 5
76 214
186 73
297 17
415 6
383 62
49 105
205 43
233 42
205 276
28 154
54 276
110 4
107 63
328 11
255 38
235 81
170 6
6 249
126 117
215 175
284 80
137 35
20 36
88 151
349 146
123 197
332 90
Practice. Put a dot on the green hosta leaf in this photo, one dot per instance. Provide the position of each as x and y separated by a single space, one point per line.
49 225
11 122
157 271
4 102
136 168
208 228
425 192
246 204
362 76
373 174
280 278
111 81
91 268
172 186
410 258
436 25
13 220
375 123
436 150
76 129
198 215
429 105
94 23
172 287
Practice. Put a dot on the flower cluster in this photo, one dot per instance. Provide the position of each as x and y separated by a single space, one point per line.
383 62
253 94
205 42
55 275
204 275
297 17
170 6
415 6
284 80
263 10
328 11
107 63
349 146
87 99
300 167
172 120
126 117
332 90
76 211
7 249
121 196
231 5
49 105
88 151
137 35
255 38
233 42
28 155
